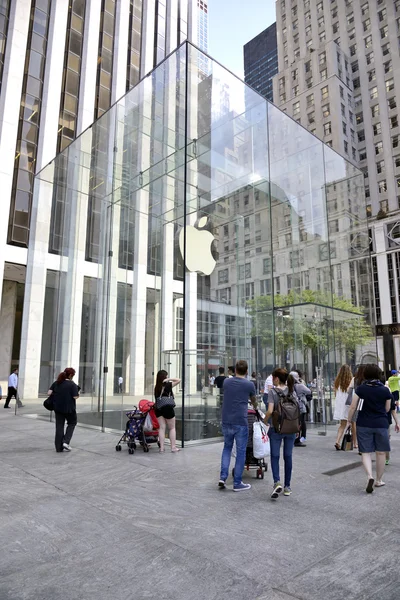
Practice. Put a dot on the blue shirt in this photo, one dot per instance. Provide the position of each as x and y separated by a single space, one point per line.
237 392
372 409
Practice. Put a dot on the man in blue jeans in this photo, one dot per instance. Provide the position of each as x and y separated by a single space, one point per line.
237 392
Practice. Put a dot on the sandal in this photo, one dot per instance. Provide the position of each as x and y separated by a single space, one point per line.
370 486
380 484
176 450
160 451
337 446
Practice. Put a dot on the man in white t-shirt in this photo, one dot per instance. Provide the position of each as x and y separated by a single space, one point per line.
120 382
268 385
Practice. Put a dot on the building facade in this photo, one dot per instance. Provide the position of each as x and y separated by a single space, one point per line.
339 69
261 62
62 65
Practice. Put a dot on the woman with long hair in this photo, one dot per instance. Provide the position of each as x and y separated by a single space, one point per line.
283 385
165 414
373 401
342 388
65 393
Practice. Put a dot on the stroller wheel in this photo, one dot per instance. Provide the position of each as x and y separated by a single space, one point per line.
131 451
260 474
134 446
118 448
145 448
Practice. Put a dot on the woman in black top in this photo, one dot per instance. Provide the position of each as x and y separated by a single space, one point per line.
166 414
64 392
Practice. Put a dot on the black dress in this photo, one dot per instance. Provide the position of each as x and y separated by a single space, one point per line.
168 412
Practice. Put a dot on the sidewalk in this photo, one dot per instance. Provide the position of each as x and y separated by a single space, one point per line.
95 524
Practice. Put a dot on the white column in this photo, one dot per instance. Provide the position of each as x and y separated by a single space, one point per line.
13 75
148 28
87 91
120 50
7 319
383 276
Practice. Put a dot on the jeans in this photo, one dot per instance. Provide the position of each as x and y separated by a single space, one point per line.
275 440
265 399
239 434
303 428
62 438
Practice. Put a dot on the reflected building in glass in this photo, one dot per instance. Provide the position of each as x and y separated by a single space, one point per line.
197 225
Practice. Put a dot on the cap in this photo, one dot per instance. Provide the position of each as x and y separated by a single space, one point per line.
394 372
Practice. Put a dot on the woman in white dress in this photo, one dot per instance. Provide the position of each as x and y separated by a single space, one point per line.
342 384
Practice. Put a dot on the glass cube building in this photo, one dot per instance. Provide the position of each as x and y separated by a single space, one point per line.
192 225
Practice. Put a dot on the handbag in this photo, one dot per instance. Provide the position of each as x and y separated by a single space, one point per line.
261 447
349 398
162 401
347 442
49 403
148 423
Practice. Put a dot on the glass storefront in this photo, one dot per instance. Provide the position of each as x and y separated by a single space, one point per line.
195 224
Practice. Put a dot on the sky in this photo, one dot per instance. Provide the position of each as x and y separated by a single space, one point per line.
233 23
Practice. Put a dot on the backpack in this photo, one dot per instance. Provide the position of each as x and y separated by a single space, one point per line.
286 416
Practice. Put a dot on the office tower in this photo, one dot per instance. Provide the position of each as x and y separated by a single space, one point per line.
338 76
62 65
261 61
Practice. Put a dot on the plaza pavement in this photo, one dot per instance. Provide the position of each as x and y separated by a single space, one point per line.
95 524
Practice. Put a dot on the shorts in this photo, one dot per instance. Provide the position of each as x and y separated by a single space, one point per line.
373 439
168 412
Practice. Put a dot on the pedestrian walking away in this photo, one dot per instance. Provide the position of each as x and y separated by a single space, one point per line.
13 390
65 392
165 408
283 416
394 386
237 392
304 396
120 382
343 391
268 385
373 400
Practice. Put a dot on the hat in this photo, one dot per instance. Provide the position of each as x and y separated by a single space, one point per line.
394 372
295 375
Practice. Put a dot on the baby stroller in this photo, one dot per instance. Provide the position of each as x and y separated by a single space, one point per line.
135 428
251 461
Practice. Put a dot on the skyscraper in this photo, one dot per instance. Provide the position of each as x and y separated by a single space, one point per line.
202 32
338 67
261 61
62 65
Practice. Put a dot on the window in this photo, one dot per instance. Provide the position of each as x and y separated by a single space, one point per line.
395 141
385 49
368 41
295 74
356 83
388 66
373 93
322 36
320 7
337 41
296 108
364 9
394 122
367 24
323 74
307 16
363 154
307 66
308 30
327 128
341 91
223 276
295 90
382 14
351 117
354 66
350 19
311 117
392 103
370 58
324 93
384 32
344 128
377 128
321 21
335 27
397 162
294 11
382 187
380 165
282 98
297 53
267 266
346 147
322 58
310 100
375 110
309 82
361 135
389 85
371 75
334 13
359 118
343 110
353 49
379 148
397 5
326 110
295 25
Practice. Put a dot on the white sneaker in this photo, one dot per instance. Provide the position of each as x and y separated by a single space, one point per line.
67 447
303 439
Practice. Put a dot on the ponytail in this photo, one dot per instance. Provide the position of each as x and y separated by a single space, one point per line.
66 374
290 383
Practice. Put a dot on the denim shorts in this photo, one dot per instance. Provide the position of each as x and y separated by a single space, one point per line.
371 439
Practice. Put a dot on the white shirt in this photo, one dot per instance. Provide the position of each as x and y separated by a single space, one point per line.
13 380
212 380
120 380
268 384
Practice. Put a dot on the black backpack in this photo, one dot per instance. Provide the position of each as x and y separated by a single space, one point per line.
286 416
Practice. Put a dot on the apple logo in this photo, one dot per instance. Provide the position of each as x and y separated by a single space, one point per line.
198 248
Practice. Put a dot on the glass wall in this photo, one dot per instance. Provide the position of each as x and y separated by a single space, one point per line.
196 224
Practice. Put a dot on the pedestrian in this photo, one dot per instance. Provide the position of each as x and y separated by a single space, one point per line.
394 386
237 392
166 414
342 389
304 396
373 401
268 385
211 381
253 379
231 371
120 382
357 380
65 393
13 390
283 388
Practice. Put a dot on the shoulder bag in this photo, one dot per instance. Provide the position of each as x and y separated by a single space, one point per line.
349 398
162 401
